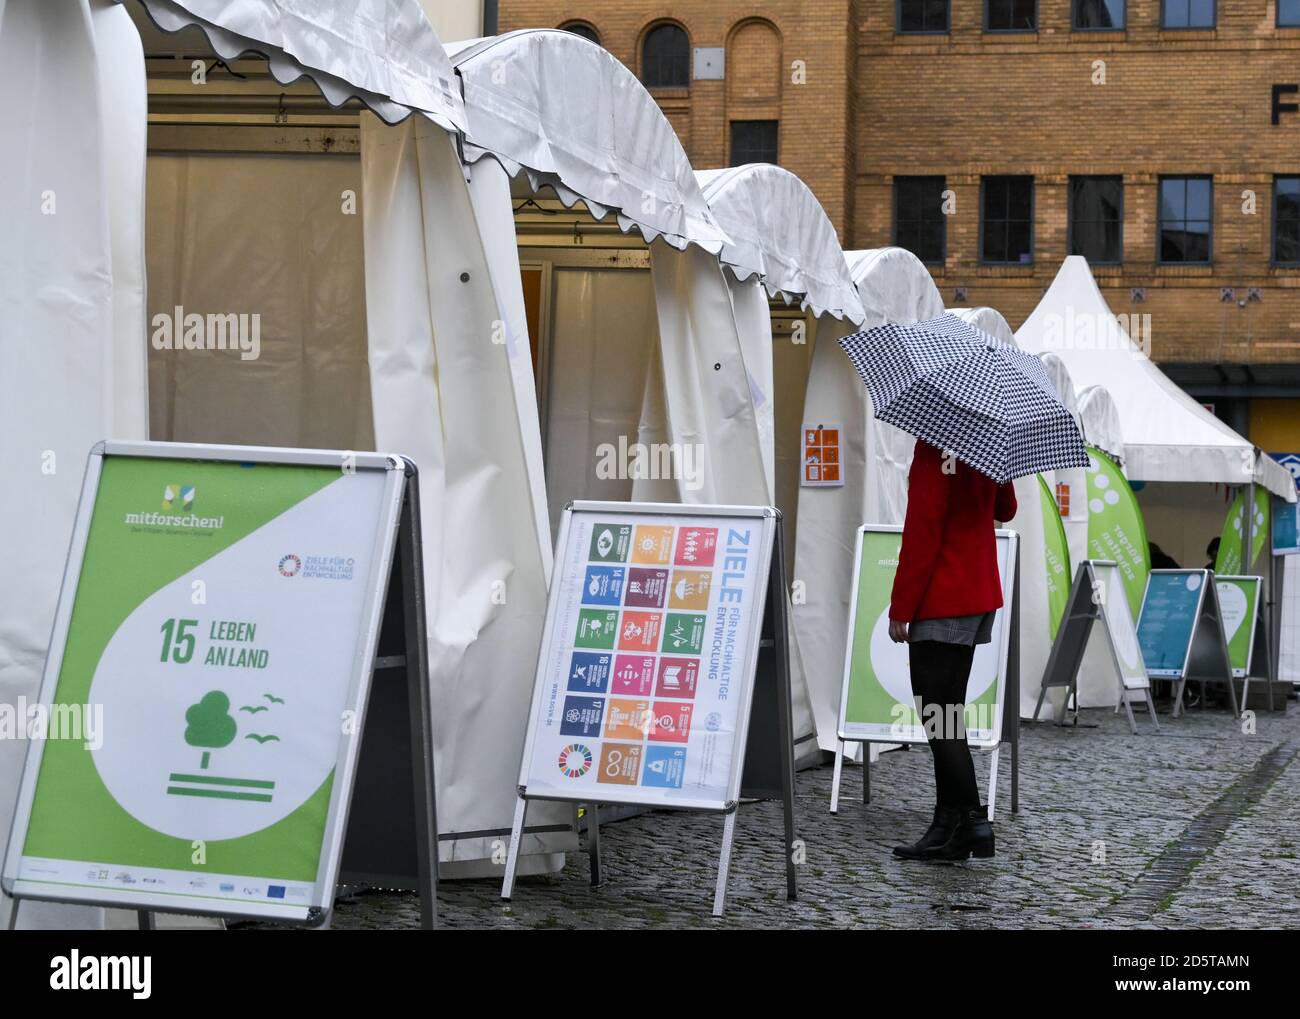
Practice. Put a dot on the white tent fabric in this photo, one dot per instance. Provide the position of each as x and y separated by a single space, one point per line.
72 328
894 287
441 267
1059 372
781 234
987 319
566 113
382 52
1168 436
1100 419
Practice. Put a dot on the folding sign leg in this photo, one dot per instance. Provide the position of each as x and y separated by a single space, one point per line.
1151 707
593 843
1245 691
1232 696
993 779
1015 775
724 863
866 773
512 854
1178 696
835 779
1038 706
144 920
791 882
1128 710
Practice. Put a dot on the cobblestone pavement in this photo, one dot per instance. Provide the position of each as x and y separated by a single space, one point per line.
1196 826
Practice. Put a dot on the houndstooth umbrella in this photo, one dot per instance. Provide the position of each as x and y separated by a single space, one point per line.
988 403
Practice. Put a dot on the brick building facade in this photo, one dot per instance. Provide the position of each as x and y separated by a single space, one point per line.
1181 97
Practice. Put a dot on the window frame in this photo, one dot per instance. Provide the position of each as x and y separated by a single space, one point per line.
1076 27
1166 27
1069 212
1279 23
1160 220
645 38
1033 204
569 26
731 140
1272 247
900 30
1012 31
943 247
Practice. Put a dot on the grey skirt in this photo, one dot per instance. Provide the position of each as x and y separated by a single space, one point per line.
976 629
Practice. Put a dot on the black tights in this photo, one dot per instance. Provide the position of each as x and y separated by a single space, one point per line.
939 675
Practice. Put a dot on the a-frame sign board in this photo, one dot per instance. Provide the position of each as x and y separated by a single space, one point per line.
1180 631
1097 595
876 703
663 678
222 605
1245 627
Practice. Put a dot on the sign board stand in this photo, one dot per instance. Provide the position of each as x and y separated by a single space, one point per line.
1006 682
1089 601
715 758
1239 600
344 528
1180 629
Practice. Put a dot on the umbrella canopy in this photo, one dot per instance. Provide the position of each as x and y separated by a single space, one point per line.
985 401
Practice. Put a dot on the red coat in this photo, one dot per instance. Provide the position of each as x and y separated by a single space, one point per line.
948 563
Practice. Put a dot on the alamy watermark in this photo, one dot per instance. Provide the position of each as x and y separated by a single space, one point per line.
182 330
651 461
37 721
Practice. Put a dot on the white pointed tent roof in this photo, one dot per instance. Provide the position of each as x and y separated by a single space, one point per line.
566 113
780 233
382 52
894 286
1168 436
1101 424
987 320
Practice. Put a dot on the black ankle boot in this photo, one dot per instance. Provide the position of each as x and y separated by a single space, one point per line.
973 836
946 820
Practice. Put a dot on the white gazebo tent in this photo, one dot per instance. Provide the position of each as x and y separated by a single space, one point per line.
1099 418
72 293
893 286
1168 436
988 320
782 245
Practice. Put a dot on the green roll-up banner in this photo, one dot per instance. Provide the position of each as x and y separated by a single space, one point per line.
1115 527
1229 558
1056 555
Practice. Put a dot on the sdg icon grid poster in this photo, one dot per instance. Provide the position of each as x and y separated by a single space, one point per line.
217 621
644 676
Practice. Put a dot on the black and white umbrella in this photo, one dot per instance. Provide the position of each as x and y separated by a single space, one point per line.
987 402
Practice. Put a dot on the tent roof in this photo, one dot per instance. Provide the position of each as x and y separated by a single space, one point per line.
1059 372
566 113
780 233
987 320
1101 424
382 52
894 286
1168 436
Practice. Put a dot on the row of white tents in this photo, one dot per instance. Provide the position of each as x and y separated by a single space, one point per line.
537 272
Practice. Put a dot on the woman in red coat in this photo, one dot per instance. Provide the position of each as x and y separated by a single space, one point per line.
946 592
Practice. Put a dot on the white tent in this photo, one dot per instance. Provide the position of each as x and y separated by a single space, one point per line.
72 293
987 319
894 287
782 244
1168 436
1100 419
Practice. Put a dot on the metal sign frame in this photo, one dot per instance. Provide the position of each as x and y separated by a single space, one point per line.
398 515
770 578
1066 656
1258 647
1206 656
1006 724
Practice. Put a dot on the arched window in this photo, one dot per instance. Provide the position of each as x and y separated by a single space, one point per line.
583 29
666 58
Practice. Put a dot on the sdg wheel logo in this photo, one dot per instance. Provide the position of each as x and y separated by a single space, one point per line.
575 760
290 565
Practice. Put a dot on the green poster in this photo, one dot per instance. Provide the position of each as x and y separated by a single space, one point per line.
876 700
1056 555
1239 609
1115 527
1229 558
210 658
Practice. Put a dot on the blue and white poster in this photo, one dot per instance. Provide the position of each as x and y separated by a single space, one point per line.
1169 612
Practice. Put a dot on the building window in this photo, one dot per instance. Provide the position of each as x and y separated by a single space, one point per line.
1186 218
1007 220
1286 220
583 29
753 141
1099 15
1097 219
923 15
1011 15
1187 14
666 58
920 225
1288 13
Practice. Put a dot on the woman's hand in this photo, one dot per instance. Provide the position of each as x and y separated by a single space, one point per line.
898 631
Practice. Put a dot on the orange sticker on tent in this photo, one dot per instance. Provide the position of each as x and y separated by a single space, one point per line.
821 457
